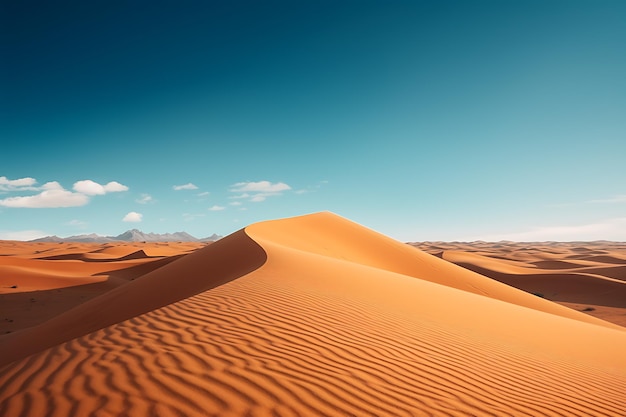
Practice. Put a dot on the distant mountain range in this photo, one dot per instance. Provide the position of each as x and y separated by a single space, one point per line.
133 235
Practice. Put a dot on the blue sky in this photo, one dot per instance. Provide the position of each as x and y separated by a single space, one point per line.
440 120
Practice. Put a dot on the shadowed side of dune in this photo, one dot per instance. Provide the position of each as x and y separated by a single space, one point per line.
223 261
23 309
136 271
95 257
556 285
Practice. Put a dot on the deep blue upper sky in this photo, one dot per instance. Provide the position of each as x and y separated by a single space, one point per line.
423 120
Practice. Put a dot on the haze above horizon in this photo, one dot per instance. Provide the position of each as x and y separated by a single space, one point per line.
425 121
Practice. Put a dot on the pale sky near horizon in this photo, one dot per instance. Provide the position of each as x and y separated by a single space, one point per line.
423 120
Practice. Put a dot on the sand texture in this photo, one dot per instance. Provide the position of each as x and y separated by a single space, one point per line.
313 315
586 276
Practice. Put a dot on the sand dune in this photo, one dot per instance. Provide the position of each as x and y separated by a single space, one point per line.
41 280
315 315
206 268
590 278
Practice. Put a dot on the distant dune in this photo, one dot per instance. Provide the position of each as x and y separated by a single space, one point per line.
585 276
313 315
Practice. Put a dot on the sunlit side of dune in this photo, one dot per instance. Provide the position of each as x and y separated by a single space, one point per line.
329 318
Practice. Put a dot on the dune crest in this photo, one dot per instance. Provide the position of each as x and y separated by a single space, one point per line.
332 236
206 268
317 315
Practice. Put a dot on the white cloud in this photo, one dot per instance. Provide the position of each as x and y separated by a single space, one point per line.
22 182
261 197
90 187
19 184
252 197
216 208
115 187
261 190
607 229
260 186
203 194
133 216
239 196
145 199
235 203
188 186
52 185
53 196
22 234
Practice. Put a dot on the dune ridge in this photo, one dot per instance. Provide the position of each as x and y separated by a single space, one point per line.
330 319
206 268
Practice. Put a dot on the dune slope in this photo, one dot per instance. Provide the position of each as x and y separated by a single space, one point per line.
332 319
206 268
585 276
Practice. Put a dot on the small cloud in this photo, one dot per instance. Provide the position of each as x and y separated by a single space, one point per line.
115 187
188 186
133 216
260 186
90 187
261 197
203 194
22 234
240 196
52 185
216 208
235 203
53 196
145 199
18 184
261 190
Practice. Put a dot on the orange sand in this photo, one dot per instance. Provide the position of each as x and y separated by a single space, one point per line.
312 315
589 277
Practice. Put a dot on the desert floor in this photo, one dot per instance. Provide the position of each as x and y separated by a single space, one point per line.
313 315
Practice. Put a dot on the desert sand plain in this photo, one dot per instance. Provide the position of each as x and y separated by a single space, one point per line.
313 315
